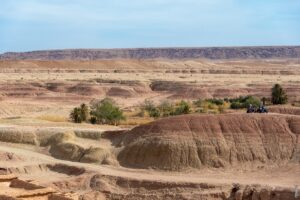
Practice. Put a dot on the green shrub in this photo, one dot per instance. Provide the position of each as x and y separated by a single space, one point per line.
182 108
253 101
150 108
218 102
236 105
244 102
166 108
75 115
278 95
155 113
221 108
198 102
264 100
80 114
84 112
93 120
212 106
148 105
107 112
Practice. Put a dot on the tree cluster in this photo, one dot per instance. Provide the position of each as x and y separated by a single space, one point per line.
103 112
278 95
166 108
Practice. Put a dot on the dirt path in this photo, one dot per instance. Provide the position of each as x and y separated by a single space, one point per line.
287 176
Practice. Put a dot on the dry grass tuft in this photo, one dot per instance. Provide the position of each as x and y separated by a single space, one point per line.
53 118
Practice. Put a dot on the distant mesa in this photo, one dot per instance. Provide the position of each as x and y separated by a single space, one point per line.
267 52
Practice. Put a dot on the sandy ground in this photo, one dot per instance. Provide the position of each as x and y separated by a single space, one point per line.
287 176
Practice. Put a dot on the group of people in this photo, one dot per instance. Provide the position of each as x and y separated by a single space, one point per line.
260 109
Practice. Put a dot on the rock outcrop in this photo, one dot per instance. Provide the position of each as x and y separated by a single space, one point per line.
62 144
127 188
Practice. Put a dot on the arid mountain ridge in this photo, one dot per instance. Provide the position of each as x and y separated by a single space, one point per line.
267 52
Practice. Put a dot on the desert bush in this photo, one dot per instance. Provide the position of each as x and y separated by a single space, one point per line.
155 113
107 112
93 120
205 107
80 114
75 115
151 109
198 103
278 95
148 105
84 111
236 105
244 102
211 105
166 108
253 101
182 108
221 108
218 102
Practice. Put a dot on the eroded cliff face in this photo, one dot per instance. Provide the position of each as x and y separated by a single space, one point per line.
198 141
152 53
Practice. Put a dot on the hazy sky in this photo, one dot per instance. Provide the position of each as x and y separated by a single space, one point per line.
59 24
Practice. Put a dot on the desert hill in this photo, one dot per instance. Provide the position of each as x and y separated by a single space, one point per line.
174 143
153 53
212 141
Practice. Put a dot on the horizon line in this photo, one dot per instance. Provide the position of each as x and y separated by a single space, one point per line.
136 48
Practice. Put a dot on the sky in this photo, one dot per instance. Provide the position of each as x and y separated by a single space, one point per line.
27 25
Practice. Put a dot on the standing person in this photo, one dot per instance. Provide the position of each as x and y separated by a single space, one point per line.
250 109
